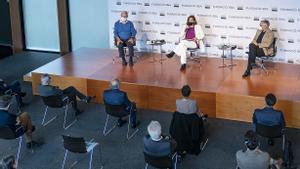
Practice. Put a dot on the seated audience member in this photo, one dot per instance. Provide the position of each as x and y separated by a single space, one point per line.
114 96
188 131
186 105
261 45
191 37
46 89
8 162
17 121
124 33
14 87
155 144
268 115
253 157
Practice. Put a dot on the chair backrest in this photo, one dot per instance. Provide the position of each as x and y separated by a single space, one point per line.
115 110
54 101
159 162
7 133
269 131
74 144
274 47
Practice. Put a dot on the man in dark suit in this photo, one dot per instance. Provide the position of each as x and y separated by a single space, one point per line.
71 92
20 123
155 144
268 115
115 96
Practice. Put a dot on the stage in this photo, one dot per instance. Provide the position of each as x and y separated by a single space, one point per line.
220 92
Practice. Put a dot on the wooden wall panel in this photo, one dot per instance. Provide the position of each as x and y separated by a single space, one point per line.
16 25
63 26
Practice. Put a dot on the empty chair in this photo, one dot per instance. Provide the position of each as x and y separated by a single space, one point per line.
57 101
271 132
80 146
119 112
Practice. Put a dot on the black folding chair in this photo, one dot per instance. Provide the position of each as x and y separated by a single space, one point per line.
57 101
169 162
271 132
80 146
117 111
8 134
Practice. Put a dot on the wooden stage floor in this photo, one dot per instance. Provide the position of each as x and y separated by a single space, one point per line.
220 92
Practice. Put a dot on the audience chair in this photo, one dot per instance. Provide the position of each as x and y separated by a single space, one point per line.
79 146
57 102
8 134
117 111
271 132
169 162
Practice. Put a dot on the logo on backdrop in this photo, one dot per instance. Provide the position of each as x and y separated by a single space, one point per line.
221 23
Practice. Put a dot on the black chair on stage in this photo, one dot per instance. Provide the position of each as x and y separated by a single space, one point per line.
57 102
168 162
7 133
271 132
117 111
79 146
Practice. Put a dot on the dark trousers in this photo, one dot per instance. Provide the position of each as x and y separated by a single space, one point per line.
131 110
253 52
129 46
72 93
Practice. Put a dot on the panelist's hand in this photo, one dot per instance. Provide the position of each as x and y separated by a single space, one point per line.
119 41
131 40
255 43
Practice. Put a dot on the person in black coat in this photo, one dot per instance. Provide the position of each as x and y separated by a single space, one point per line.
188 131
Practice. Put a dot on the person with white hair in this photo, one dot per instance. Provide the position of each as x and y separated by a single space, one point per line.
46 89
114 96
19 122
124 34
155 144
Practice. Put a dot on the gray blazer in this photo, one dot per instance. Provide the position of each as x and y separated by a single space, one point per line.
255 159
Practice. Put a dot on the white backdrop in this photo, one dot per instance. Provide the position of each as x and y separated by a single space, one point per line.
223 21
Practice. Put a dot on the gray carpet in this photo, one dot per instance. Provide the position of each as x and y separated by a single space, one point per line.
115 151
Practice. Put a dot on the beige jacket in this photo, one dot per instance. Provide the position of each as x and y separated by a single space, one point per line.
266 43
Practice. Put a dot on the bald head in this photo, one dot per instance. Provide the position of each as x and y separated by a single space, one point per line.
115 84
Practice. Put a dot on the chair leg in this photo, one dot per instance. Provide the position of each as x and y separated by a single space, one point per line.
45 114
65 118
146 166
19 149
203 144
65 158
91 159
129 136
105 132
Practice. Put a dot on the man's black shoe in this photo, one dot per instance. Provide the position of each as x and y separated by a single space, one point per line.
135 125
89 98
23 94
246 74
171 54
121 122
78 112
130 62
124 63
33 145
183 67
